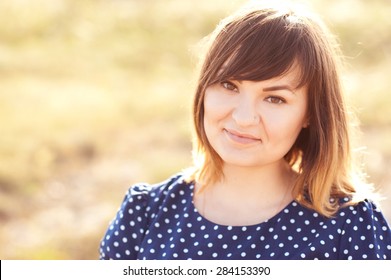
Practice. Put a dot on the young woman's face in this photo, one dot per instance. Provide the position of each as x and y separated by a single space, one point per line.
255 123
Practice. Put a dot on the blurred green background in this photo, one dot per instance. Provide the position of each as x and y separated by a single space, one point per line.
95 96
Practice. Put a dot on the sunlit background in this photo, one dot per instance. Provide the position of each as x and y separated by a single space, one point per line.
95 96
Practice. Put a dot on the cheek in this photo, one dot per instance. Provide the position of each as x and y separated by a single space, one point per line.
215 107
285 125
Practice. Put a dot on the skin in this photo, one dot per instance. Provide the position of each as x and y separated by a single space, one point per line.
252 125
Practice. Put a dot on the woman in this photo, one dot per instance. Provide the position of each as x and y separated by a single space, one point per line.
273 175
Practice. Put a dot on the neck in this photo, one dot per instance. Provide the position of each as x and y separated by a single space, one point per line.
246 195
263 181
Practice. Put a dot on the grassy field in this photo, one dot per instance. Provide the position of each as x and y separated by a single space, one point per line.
95 96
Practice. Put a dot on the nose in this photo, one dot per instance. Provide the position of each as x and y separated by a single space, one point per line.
245 112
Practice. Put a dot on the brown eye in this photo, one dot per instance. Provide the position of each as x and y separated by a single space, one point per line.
275 100
229 86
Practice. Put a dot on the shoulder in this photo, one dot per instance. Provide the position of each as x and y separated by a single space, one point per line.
365 232
364 211
141 204
365 208
152 194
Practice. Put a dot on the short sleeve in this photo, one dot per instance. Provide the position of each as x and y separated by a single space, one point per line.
126 231
366 233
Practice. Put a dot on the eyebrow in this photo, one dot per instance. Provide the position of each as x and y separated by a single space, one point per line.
276 88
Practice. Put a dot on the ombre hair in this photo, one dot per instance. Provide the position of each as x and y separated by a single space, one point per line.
260 43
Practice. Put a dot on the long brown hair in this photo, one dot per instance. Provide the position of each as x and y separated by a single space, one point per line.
262 43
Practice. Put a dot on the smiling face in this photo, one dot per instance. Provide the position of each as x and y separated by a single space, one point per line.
252 123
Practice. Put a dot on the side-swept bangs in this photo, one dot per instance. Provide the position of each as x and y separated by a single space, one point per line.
260 46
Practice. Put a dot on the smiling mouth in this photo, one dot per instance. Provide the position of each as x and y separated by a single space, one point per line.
241 138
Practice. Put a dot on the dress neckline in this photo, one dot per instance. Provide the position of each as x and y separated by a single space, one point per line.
271 220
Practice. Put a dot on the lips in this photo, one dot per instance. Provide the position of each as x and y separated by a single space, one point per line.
241 138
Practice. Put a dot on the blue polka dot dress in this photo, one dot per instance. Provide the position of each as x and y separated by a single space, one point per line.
161 222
